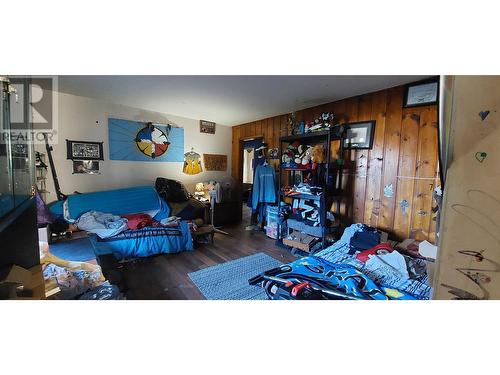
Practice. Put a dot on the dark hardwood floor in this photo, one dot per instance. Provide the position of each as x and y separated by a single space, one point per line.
166 276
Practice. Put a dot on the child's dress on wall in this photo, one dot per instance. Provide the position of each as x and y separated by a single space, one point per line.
192 163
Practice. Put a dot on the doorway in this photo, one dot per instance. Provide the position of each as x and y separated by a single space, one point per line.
249 154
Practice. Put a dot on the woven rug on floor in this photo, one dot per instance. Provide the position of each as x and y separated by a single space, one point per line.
229 281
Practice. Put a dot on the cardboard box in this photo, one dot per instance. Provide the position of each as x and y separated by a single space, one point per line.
17 274
300 241
13 280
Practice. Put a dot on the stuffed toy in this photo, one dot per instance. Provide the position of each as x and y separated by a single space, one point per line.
286 158
290 152
299 155
306 159
318 154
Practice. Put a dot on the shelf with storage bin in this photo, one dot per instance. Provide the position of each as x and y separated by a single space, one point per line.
330 183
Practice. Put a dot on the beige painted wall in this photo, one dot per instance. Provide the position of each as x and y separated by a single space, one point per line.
469 255
77 121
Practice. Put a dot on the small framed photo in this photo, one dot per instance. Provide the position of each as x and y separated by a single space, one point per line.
83 150
207 127
85 167
359 135
421 93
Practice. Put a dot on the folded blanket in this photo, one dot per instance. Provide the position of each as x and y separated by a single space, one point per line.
102 224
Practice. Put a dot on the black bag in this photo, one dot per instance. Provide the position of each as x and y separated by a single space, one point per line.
171 190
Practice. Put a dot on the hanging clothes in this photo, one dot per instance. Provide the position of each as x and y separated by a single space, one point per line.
258 159
264 186
192 163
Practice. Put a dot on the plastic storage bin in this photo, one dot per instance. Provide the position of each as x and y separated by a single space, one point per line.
272 222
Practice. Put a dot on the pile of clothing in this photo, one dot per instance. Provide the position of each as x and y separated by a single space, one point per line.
106 225
75 280
360 247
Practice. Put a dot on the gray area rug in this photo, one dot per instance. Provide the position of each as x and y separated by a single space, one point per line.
229 281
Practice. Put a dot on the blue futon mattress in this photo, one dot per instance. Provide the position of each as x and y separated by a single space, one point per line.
145 242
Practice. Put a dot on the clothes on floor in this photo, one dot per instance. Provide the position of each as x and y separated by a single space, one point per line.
366 238
341 252
102 224
341 249
393 264
73 278
105 291
379 249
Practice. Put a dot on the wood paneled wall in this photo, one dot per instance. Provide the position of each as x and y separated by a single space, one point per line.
404 155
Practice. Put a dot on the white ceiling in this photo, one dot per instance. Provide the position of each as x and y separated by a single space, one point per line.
226 100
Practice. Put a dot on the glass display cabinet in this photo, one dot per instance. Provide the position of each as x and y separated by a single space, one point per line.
18 226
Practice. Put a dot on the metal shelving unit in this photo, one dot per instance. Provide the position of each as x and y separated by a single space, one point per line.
331 184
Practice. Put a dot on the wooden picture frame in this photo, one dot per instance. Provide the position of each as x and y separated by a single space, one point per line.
421 93
84 150
215 162
207 127
359 135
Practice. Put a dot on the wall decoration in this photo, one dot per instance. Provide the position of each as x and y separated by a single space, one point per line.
403 205
388 191
192 163
85 167
214 162
153 141
140 141
84 150
484 114
207 127
359 135
421 93
480 156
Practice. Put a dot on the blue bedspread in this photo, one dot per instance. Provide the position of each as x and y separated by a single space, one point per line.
145 242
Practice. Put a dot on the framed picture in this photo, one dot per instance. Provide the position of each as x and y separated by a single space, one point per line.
207 127
214 162
359 135
83 150
421 93
85 167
